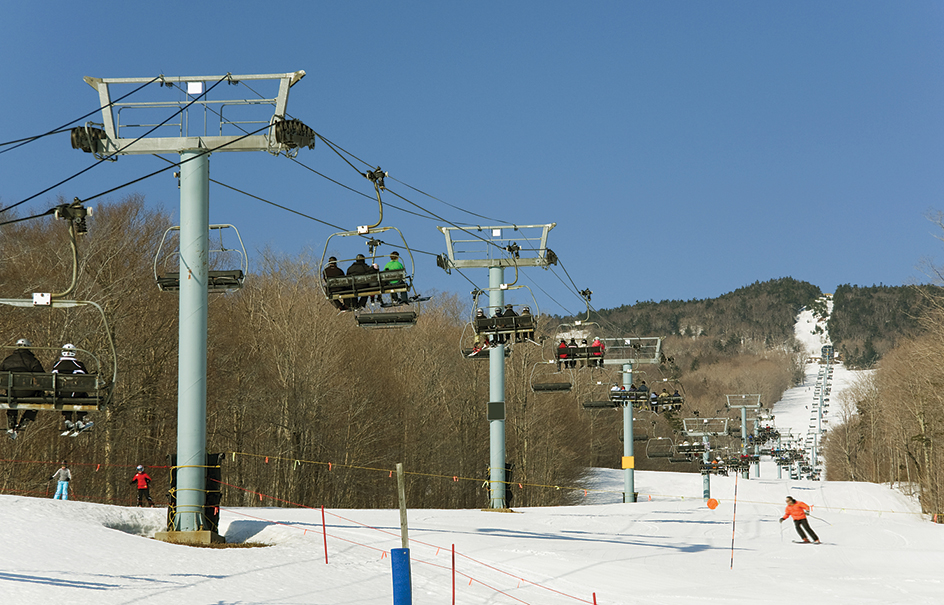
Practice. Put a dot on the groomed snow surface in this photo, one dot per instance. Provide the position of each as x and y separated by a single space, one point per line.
670 549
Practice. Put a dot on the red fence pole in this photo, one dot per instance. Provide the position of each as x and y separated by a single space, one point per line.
324 531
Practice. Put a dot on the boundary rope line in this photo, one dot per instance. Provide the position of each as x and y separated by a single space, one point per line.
396 535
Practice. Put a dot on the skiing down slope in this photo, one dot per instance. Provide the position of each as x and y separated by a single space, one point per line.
667 549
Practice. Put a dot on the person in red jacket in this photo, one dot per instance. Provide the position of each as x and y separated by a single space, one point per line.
798 511
561 354
597 352
142 479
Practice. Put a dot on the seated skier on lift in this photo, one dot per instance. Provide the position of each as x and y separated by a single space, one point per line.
21 360
68 364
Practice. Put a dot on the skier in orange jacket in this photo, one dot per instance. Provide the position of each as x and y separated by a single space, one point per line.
798 511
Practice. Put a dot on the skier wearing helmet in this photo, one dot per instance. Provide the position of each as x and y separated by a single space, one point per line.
21 360
68 364
143 480
528 333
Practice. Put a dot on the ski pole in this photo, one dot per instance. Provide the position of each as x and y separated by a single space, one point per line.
820 519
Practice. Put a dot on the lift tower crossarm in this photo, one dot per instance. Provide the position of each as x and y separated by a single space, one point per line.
476 247
114 143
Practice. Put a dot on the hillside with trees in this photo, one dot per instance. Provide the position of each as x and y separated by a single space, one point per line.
867 322
754 318
311 409
892 421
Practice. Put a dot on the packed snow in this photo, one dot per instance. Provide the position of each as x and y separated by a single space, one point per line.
669 547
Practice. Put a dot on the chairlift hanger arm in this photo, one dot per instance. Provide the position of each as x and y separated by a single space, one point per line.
377 178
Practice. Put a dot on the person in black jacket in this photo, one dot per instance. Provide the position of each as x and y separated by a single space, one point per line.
360 267
333 270
68 364
21 360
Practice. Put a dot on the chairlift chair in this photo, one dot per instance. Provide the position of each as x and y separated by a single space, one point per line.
228 279
476 351
511 328
348 289
54 391
666 400
659 447
541 379
602 394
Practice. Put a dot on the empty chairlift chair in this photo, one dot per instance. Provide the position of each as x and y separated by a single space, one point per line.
227 266
545 380
660 447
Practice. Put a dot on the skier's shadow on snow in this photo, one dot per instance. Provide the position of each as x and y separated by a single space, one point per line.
57 582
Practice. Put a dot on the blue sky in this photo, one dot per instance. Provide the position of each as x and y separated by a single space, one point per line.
684 149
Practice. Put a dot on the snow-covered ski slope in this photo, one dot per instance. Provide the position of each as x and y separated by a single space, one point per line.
670 549
797 411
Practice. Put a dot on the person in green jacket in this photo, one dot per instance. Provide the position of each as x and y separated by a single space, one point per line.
395 265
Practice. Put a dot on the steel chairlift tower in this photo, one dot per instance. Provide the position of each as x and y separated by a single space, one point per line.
495 248
627 352
705 428
208 132
743 402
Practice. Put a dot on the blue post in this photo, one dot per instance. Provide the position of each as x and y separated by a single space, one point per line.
706 476
192 360
402 584
745 472
496 393
629 465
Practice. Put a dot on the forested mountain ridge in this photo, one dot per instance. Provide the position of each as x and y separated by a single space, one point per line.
760 316
867 322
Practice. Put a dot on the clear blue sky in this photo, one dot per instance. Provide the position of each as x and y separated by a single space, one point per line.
684 149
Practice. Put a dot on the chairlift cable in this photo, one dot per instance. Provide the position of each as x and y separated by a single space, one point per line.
26 218
97 163
326 177
421 192
65 127
173 164
338 149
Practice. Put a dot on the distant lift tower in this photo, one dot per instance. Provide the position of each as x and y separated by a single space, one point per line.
705 428
744 402
253 124
629 353
496 248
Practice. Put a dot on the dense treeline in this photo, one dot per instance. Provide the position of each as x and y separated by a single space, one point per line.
289 380
752 319
893 419
867 322
313 410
